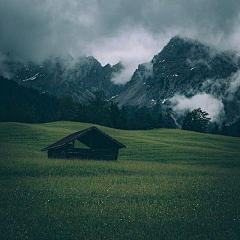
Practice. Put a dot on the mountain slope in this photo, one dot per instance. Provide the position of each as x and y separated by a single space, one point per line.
79 78
185 67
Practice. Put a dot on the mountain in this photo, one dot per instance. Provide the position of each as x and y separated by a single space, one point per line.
79 78
185 67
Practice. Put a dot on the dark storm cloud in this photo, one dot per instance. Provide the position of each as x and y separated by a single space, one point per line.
36 29
113 30
206 17
210 15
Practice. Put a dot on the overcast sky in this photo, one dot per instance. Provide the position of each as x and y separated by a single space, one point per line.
131 31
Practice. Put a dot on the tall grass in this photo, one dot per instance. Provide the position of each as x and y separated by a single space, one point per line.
167 184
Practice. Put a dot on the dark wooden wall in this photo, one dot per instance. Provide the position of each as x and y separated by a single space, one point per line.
104 154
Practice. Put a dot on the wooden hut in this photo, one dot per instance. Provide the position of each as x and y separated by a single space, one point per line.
100 146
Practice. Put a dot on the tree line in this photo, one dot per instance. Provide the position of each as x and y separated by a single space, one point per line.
27 105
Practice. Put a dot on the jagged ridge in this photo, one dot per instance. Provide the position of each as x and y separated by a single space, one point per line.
184 67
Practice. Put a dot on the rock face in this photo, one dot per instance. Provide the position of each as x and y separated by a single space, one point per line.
78 78
185 67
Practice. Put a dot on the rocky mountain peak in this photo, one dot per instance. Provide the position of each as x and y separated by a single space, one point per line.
118 67
78 78
184 67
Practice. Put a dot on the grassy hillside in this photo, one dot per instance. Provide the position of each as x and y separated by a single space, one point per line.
167 184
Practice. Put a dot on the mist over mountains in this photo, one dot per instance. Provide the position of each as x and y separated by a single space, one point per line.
185 75
78 78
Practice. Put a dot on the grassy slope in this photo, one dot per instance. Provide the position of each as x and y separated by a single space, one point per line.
167 184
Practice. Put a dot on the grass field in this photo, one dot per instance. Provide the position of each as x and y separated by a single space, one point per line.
167 184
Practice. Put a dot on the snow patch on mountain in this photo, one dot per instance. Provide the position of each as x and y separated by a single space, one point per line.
31 78
164 100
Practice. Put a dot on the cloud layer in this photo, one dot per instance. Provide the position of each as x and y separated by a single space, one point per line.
214 107
234 84
120 30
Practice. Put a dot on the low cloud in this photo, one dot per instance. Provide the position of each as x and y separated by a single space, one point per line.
224 88
124 75
214 107
234 84
131 47
112 31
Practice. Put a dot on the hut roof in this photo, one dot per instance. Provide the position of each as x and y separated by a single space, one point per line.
91 137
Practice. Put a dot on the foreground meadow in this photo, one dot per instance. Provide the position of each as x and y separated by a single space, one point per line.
167 184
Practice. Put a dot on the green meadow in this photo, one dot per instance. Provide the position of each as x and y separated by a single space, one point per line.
167 184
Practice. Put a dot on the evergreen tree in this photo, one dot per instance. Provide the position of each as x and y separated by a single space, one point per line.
67 108
123 119
160 122
169 121
114 115
234 129
98 109
215 129
142 119
224 128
